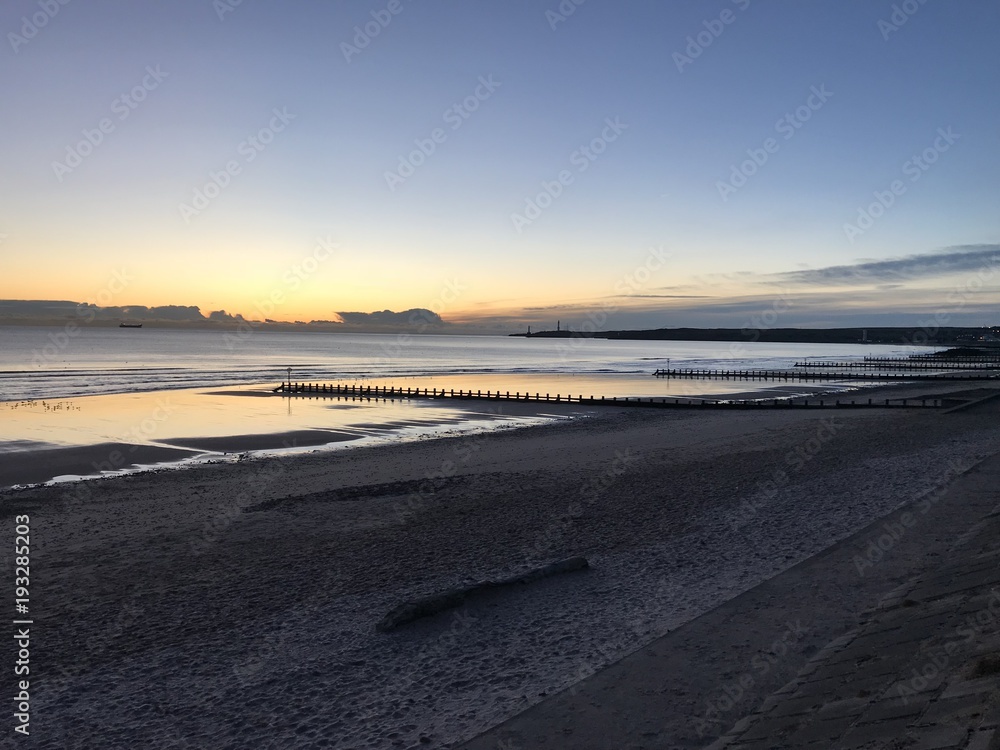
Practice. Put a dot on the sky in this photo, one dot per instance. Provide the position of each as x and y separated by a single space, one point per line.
635 164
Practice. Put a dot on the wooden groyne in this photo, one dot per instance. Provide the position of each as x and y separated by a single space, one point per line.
904 365
965 358
792 375
375 392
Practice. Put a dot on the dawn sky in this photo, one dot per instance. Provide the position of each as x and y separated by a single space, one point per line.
507 163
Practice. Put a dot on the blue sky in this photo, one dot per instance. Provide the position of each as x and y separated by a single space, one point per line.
213 75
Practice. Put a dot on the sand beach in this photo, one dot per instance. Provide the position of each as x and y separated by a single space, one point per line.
235 604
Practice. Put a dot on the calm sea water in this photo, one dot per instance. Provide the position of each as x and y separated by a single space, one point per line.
205 395
49 362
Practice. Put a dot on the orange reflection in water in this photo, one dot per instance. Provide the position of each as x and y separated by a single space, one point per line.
180 417
162 416
604 384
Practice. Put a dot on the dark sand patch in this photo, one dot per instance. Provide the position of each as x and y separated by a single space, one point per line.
265 441
19 446
81 460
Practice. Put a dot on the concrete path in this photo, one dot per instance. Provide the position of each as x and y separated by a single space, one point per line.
904 652
921 671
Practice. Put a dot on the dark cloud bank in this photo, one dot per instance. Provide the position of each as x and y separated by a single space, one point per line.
39 312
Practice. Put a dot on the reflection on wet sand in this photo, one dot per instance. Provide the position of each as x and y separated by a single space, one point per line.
89 435
92 435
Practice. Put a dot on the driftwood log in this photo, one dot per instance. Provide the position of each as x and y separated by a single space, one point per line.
430 605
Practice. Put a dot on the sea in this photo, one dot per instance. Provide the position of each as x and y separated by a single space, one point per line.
58 362
73 397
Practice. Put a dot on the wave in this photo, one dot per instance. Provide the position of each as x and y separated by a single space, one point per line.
103 362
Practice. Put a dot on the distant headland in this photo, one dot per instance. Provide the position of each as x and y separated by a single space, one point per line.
944 336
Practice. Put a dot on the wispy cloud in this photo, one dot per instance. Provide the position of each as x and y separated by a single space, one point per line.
951 260
664 296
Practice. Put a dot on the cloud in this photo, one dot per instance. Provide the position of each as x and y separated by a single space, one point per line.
416 317
665 296
62 309
221 316
54 311
32 308
173 313
952 260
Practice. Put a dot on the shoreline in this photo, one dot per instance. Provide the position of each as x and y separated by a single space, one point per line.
41 463
270 575
636 384
97 436
59 465
49 464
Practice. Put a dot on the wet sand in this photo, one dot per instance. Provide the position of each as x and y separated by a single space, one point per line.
85 436
250 591
266 441
44 464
